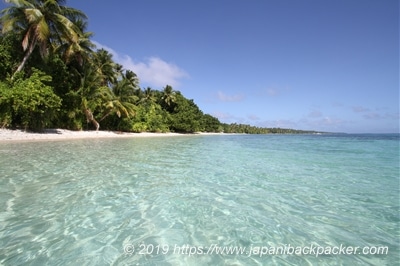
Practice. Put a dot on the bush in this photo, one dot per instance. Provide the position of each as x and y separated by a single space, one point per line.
5 107
139 127
29 102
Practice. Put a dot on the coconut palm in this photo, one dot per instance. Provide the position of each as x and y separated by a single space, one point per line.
90 92
148 96
168 97
132 78
40 23
80 50
122 98
127 86
98 101
107 69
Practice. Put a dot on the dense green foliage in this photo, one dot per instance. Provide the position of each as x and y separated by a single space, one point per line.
29 102
52 75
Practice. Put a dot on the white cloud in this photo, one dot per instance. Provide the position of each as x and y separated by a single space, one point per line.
153 71
229 98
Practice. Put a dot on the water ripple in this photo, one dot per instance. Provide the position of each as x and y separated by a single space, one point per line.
82 202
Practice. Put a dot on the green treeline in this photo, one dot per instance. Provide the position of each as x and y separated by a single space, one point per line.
248 129
53 76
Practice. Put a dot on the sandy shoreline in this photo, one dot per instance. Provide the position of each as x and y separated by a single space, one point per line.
7 135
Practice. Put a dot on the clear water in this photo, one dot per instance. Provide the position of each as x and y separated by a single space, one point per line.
88 202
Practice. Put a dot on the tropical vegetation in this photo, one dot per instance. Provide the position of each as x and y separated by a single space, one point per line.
52 75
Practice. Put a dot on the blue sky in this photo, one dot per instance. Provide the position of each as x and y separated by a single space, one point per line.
306 64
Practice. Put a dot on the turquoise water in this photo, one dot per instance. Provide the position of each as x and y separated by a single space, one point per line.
158 201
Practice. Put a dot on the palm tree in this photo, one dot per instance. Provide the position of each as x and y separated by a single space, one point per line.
41 22
132 78
122 98
89 92
106 67
168 97
127 87
102 100
80 50
148 96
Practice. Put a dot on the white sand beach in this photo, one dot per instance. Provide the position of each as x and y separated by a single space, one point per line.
63 134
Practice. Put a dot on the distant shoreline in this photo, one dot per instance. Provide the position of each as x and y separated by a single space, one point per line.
10 135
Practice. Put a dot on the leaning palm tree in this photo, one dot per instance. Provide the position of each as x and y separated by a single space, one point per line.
41 22
89 91
98 101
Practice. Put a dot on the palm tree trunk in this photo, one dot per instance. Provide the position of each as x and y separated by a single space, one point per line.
90 118
26 57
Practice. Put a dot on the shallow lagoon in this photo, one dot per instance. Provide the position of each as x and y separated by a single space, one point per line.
154 201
